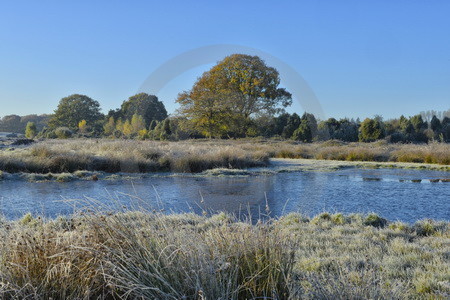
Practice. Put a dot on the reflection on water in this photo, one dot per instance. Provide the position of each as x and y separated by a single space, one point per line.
406 195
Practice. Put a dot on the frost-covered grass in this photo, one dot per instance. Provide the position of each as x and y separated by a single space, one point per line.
193 156
55 156
139 255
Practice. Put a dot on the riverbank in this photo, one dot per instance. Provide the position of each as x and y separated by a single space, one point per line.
285 165
140 255
272 167
194 156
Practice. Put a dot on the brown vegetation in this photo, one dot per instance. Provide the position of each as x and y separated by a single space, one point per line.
198 155
151 256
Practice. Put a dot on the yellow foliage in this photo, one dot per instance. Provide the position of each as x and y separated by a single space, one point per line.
109 126
82 126
143 133
137 122
127 128
119 125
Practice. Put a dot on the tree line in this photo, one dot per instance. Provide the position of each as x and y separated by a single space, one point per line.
17 124
143 116
238 97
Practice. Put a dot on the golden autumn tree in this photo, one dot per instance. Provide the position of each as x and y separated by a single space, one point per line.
109 127
127 129
208 111
82 126
119 125
227 96
138 123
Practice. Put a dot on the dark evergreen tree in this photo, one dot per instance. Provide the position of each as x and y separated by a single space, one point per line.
435 124
312 124
292 124
303 133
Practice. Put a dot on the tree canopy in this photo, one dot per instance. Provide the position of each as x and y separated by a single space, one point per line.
371 130
73 109
145 105
234 90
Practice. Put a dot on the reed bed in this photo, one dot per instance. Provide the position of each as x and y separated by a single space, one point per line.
126 156
141 255
61 156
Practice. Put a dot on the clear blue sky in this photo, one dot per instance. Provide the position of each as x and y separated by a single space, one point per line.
361 58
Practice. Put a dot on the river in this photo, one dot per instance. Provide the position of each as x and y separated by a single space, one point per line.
395 194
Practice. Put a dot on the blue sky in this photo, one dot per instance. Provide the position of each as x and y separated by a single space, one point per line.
361 58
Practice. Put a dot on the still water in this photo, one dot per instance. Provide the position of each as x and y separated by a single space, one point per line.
406 195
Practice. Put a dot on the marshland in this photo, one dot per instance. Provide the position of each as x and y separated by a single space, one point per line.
167 220
112 218
226 173
192 156
231 175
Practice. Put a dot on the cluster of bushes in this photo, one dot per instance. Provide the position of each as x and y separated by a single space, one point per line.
405 130
168 129
286 126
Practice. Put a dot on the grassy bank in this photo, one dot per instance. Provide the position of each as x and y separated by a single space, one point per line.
130 156
139 255
60 156
436 153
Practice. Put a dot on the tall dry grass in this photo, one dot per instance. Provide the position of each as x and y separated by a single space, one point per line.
58 156
138 255
127 156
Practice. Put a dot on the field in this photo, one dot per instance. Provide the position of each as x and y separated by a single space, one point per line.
60 156
139 255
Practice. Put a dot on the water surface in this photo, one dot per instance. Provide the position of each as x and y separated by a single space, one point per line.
396 194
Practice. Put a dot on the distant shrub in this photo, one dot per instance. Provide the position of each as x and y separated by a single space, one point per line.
292 219
396 137
303 132
321 217
425 229
26 219
375 221
338 219
63 133
29 220
399 226
370 130
30 130
41 151
430 227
